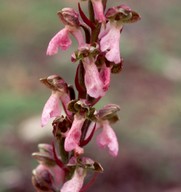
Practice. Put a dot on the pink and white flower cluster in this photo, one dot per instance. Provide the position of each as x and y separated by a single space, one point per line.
62 165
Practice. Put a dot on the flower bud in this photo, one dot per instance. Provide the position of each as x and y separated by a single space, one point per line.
42 179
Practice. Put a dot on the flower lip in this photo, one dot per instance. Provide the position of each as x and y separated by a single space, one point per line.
73 136
109 41
51 108
107 138
76 182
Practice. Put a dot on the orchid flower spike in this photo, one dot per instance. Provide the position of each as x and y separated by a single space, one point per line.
63 165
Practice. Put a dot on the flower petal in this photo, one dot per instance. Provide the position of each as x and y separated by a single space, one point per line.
93 82
108 138
98 10
105 75
51 108
75 183
61 39
77 33
109 42
73 137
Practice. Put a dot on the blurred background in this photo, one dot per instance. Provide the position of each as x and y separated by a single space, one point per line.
148 91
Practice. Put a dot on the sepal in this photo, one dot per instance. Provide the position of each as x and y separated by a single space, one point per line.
123 14
60 127
78 106
55 83
85 163
108 112
85 51
45 155
69 17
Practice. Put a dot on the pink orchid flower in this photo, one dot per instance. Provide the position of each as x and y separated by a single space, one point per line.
51 108
108 138
70 18
48 176
94 81
110 40
76 182
60 40
73 136
63 41
60 93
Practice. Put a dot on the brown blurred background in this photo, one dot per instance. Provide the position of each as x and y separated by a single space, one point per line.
148 91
